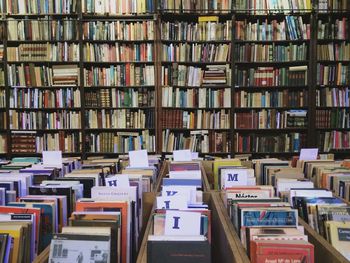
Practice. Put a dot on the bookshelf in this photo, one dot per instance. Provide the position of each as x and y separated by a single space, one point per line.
42 54
332 72
118 45
3 97
222 77
196 77
271 85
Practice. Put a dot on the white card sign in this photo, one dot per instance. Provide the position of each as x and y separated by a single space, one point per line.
118 180
138 159
172 202
182 223
52 158
234 177
308 154
182 156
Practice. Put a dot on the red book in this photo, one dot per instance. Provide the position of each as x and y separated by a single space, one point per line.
263 249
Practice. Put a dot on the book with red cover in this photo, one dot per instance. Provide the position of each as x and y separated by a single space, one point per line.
263 249
91 205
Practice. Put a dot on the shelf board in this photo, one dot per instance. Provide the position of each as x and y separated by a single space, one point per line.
46 109
188 130
33 16
85 41
196 63
44 62
119 87
333 129
271 63
199 87
93 63
111 153
119 108
44 87
282 42
259 88
53 130
14 42
99 130
123 17
244 109
279 130
196 41
197 108
332 107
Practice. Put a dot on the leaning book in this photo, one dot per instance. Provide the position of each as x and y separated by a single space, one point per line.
68 248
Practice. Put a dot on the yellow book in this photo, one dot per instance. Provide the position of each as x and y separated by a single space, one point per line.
208 19
338 234
16 232
222 162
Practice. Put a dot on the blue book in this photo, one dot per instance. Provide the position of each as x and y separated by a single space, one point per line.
188 182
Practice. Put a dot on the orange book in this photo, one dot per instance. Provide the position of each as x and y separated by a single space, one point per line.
90 205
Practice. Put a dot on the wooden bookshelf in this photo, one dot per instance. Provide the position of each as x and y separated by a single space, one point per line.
80 38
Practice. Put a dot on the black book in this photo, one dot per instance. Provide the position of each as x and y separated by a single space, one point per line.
175 251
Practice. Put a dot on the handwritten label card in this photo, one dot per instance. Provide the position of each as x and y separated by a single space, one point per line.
138 159
182 223
182 155
172 202
52 158
308 154
119 180
234 177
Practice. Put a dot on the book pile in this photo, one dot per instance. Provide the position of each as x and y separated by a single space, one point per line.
215 74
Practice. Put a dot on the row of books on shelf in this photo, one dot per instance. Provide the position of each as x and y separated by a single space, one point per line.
198 119
201 31
197 141
195 52
38 98
271 119
38 120
334 118
276 99
290 28
332 97
120 119
192 98
270 52
279 143
203 6
2 98
259 7
64 29
333 74
333 5
334 51
37 143
140 97
44 52
270 76
333 140
183 75
128 74
118 52
119 30
43 7
119 7
120 142
338 29
36 76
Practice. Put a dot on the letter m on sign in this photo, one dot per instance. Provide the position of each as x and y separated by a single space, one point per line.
232 177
